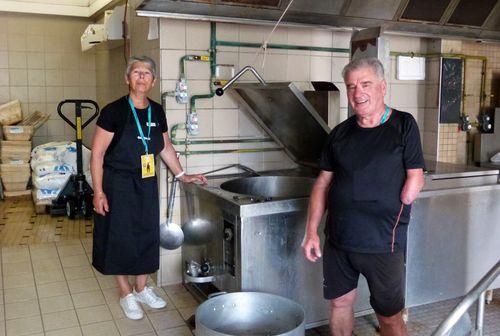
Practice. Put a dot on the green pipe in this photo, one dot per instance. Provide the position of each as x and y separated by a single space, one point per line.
213 64
280 46
182 72
213 51
447 55
221 141
222 151
193 99
173 134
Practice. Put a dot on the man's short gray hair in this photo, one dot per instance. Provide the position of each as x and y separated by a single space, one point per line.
369 62
142 59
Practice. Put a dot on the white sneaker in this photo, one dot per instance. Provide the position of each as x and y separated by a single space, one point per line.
148 297
131 307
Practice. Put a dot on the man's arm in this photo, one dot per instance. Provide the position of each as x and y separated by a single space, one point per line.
317 206
413 184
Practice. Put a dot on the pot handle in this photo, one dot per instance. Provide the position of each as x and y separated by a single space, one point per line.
216 294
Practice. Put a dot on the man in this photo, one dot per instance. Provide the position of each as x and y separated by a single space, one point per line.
371 172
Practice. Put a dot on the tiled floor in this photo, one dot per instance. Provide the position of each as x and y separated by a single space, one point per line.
21 225
51 289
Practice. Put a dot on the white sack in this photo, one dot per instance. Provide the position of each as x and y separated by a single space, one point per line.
46 194
51 150
50 181
68 156
49 167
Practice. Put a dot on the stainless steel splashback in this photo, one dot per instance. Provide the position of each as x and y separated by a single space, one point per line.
283 111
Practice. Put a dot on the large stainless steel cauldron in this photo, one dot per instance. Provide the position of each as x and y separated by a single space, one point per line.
249 313
271 186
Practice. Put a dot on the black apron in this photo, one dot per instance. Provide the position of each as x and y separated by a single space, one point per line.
126 240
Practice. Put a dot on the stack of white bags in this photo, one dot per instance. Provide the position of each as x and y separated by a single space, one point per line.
52 164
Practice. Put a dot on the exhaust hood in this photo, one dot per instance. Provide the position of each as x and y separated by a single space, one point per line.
111 29
469 19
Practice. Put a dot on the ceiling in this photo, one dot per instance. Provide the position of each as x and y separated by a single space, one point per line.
78 8
469 19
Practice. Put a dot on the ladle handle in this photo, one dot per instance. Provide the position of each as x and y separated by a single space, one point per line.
171 196
171 199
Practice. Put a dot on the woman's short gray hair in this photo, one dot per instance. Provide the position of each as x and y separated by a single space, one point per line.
142 59
369 62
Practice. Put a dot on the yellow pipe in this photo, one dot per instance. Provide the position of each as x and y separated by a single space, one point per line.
484 59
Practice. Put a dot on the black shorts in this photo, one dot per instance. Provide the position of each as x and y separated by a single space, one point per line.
384 272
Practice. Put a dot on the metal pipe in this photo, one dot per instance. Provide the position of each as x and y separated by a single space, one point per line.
281 46
234 151
199 58
220 91
186 142
221 141
480 314
242 167
213 64
482 99
464 62
467 301
437 54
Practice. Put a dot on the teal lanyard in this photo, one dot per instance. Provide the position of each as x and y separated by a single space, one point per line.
139 127
385 116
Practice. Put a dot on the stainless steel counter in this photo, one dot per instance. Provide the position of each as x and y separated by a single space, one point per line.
253 241
442 175
453 239
454 233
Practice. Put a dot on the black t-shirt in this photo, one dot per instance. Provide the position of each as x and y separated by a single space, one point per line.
369 166
116 117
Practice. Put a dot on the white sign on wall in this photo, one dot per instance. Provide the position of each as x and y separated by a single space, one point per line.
410 68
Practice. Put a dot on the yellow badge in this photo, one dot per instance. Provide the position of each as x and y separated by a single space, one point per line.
147 165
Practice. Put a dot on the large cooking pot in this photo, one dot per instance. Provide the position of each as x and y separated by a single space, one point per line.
249 313
271 186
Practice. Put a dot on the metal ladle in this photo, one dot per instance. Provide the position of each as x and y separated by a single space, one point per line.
171 235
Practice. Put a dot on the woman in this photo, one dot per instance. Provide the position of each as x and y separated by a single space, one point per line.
130 133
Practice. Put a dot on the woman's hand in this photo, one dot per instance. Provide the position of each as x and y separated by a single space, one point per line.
193 178
100 203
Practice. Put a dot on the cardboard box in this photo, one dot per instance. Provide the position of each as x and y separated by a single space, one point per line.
15 177
15 151
17 133
25 129
22 194
10 113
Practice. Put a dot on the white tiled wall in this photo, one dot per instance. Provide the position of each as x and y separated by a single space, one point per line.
41 64
222 117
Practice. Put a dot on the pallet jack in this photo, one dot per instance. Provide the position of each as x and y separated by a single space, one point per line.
75 198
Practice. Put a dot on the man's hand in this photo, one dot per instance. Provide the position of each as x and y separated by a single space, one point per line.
311 247
193 178
100 203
